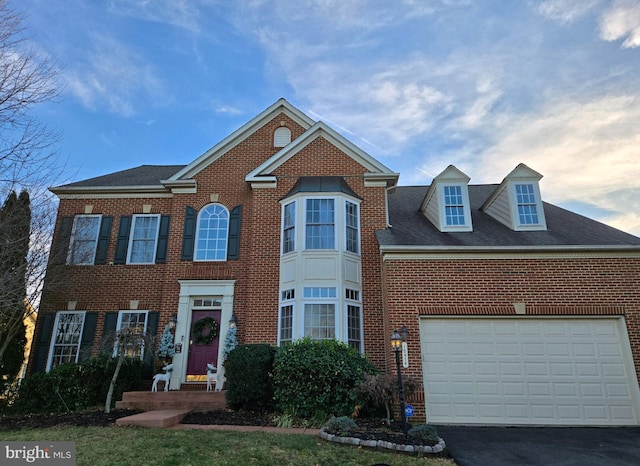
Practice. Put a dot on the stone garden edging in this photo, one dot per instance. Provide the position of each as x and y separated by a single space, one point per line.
438 448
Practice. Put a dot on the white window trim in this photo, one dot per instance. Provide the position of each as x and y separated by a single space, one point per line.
282 304
336 217
339 224
346 323
515 215
119 326
359 226
55 334
336 327
131 239
195 249
295 227
464 190
73 235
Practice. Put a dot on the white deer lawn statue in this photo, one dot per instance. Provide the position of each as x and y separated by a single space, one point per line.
164 377
212 375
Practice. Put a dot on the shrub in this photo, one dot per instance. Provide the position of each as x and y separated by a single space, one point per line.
63 389
316 379
99 371
340 425
247 369
74 387
424 432
382 390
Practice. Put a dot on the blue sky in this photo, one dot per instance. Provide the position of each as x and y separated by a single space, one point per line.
482 85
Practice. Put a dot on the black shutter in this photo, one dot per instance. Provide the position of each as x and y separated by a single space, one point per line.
189 234
44 342
233 246
110 322
88 332
163 239
153 319
103 240
61 245
123 240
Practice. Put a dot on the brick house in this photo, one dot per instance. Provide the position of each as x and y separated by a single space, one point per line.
518 311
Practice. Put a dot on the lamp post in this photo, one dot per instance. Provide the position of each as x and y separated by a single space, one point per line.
173 322
396 345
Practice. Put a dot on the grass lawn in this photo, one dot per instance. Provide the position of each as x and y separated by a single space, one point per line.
138 446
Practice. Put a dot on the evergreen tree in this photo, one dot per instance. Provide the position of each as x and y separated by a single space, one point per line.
167 348
230 342
15 226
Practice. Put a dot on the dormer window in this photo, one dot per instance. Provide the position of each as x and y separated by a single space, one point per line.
446 203
281 137
516 202
526 199
453 206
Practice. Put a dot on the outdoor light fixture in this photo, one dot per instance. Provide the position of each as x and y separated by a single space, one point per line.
233 321
396 345
173 322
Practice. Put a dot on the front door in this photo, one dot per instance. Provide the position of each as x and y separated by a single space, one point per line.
203 346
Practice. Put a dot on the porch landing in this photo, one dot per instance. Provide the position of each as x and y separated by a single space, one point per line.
165 409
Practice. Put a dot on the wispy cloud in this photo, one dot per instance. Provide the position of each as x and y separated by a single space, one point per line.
567 11
185 14
116 78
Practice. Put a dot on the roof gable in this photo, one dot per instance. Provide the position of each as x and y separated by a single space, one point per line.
377 171
242 133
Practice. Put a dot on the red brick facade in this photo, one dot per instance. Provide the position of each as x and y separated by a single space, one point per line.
582 286
398 288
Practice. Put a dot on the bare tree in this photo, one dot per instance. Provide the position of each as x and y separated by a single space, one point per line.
28 160
125 343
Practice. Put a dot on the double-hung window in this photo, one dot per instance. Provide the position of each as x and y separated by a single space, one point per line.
453 206
352 226
320 315
320 224
289 228
213 232
526 202
84 239
132 325
67 333
143 239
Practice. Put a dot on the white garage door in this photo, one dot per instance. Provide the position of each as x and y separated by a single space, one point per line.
528 371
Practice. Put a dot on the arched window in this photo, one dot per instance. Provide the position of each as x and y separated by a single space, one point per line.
281 137
213 232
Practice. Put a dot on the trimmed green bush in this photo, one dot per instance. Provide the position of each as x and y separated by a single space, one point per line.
316 379
340 425
424 432
247 369
74 387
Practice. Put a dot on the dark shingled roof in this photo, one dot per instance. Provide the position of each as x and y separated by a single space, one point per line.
409 227
144 175
321 184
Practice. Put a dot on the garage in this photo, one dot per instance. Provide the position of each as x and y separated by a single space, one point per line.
528 371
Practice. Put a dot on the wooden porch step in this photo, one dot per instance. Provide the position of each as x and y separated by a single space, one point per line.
173 400
156 418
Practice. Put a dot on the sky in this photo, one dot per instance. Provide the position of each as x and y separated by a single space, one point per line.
419 85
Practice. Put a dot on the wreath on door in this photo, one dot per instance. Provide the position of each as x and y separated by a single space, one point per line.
204 339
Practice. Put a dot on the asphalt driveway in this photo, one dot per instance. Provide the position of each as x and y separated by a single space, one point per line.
584 446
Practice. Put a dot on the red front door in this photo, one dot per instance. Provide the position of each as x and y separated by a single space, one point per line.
200 353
